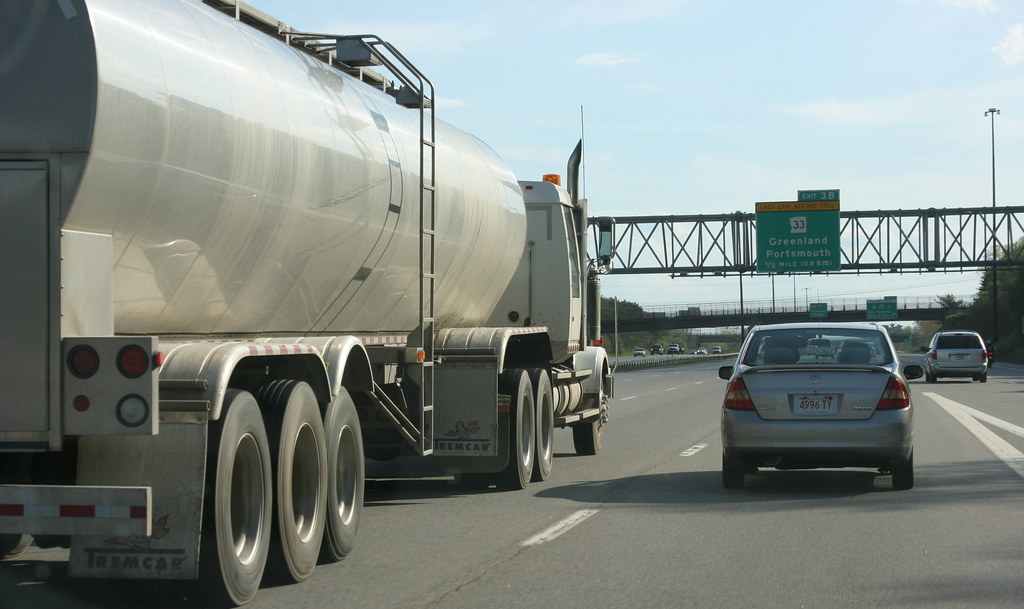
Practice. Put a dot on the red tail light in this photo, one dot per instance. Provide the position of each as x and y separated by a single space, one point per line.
934 355
736 396
83 361
895 396
133 361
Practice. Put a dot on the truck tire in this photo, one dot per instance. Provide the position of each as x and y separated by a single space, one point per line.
299 459
522 436
13 544
586 437
346 477
544 400
236 514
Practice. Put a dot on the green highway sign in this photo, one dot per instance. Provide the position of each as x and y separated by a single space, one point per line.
798 236
882 309
817 195
819 310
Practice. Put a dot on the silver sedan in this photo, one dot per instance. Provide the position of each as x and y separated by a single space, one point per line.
791 405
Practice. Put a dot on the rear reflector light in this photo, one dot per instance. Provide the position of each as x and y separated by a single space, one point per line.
132 410
736 396
83 361
133 361
895 396
81 403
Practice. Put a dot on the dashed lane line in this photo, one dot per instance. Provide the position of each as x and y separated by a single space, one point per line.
559 528
693 450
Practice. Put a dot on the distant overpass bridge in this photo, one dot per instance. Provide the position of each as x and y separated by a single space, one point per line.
727 315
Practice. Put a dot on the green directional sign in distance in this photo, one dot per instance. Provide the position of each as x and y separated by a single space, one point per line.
882 309
817 195
798 236
819 310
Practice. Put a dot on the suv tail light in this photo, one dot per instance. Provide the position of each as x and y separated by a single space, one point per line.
737 397
895 396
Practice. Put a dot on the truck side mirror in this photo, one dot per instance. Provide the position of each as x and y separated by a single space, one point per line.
605 243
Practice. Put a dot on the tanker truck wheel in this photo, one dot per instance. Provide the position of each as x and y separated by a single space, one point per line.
298 462
13 544
545 423
346 476
236 514
521 415
586 437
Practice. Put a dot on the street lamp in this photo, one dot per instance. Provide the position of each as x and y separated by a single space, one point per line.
992 112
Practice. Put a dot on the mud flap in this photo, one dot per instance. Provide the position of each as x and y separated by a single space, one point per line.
173 465
466 409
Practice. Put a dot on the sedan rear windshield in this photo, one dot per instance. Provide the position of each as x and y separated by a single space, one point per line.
817 346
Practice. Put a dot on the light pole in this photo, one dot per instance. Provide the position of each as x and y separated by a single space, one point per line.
992 112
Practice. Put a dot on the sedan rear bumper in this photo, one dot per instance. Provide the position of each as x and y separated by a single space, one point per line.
957 370
886 438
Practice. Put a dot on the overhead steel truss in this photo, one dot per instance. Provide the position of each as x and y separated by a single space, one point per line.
913 240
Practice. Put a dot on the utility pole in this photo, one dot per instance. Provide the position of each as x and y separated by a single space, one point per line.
992 112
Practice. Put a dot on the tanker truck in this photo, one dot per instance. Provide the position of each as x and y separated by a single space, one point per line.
240 262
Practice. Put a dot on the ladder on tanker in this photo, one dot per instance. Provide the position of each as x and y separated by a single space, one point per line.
353 54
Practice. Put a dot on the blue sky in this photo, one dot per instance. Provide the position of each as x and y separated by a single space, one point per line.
708 106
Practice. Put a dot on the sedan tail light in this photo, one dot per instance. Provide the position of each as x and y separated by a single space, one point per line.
737 397
895 396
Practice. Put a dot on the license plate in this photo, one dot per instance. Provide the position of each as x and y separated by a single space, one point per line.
957 357
816 405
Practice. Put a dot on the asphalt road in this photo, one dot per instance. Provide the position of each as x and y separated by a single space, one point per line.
647 524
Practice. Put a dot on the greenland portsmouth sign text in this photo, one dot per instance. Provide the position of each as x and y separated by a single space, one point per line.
799 236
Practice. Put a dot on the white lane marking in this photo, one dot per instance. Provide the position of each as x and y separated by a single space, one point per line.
624 399
693 450
991 420
671 389
557 529
999 447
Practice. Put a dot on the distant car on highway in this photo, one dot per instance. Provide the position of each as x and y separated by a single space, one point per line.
716 350
820 347
788 409
657 350
674 349
700 351
956 353
639 352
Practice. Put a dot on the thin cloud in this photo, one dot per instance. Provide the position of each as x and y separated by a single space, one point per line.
982 6
607 60
1011 49
449 103
847 112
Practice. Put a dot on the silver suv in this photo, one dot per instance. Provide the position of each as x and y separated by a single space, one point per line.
956 353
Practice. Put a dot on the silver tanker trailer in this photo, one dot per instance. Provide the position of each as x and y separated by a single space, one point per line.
237 261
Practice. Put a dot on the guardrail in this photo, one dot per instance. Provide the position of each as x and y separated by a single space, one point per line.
640 363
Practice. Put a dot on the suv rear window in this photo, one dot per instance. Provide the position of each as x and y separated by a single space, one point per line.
958 341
